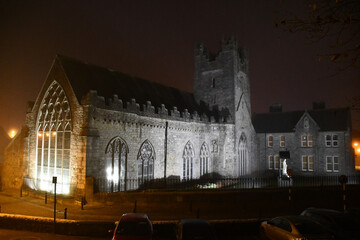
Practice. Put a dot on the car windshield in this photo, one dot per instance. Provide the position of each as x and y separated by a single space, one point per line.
309 228
197 231
133 228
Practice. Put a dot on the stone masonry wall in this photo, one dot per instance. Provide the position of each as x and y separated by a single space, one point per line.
105 124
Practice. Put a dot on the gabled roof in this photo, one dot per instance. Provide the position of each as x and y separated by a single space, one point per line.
84 77
281 122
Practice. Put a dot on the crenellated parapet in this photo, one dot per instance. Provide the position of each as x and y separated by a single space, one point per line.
227 45
149 110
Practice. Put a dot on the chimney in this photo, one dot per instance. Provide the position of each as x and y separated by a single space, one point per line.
276 107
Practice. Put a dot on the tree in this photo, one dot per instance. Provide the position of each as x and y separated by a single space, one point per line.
338 21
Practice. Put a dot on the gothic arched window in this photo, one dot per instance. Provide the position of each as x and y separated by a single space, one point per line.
146 157
204 159
188 156
116 160
53 140
242 156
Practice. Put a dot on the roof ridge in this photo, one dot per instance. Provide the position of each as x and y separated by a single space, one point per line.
67 58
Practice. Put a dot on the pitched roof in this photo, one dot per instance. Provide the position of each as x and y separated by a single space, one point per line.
277 122
84 77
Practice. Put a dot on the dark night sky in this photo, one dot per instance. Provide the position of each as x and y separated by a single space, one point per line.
155 40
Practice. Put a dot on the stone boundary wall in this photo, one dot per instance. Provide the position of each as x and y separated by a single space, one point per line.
162 229
66 227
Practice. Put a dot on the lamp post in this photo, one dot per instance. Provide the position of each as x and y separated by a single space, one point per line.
54 181
357 155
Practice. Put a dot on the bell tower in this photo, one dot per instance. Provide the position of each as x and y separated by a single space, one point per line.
221 82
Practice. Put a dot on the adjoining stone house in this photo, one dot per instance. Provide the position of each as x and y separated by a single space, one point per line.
96 129
318 141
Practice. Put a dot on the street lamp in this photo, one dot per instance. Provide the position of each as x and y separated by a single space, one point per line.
54 181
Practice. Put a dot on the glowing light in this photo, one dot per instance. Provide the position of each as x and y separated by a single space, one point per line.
47 134
358 150
54 133
112 176
355 144
39 134
12 133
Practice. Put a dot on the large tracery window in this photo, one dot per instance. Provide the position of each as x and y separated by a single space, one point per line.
53 140
146 158
242 156
188 156
116 160
204 159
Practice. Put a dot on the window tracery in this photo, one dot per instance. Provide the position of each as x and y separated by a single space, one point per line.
146 157
242 155
188 156
116 159
53 140
204 159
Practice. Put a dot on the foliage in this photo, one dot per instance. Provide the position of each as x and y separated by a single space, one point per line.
338 21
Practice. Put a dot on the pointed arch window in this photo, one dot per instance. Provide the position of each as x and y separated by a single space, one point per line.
146 157
116 165
242 156
188 156
204 159
53 140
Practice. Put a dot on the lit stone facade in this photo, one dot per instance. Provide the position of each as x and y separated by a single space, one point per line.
94 123
318 141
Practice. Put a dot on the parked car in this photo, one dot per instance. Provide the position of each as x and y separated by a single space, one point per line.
195 229
343 225
292 228
133 226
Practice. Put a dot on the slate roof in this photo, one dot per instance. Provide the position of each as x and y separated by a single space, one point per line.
281 122
85 77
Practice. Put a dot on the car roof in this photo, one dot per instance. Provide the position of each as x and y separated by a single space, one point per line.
297 219
134 216
194 221
322 210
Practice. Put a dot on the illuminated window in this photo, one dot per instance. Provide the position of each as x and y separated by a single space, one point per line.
306 141
282 141
270 141
116 165
274 162
332 164
271 162
332 140
53 140
188 156
204 159
308 163
310 140
146 158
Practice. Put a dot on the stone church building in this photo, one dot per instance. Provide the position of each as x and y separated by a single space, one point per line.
95 128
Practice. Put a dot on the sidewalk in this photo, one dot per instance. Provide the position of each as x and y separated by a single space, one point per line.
32 206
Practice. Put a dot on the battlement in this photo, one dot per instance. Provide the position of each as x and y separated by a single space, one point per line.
150 110
227 44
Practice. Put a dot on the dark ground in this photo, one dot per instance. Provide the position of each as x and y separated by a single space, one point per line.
232 213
